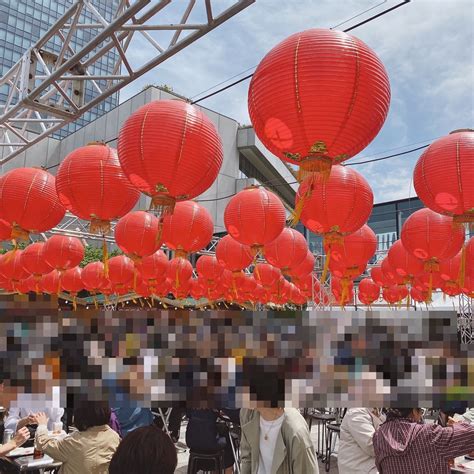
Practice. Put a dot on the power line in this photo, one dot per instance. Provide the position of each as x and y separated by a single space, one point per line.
358 15
390 156
345 31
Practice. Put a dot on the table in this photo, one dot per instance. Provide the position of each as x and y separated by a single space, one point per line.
461 464
28 464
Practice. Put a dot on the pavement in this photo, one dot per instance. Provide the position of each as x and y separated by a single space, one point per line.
184 456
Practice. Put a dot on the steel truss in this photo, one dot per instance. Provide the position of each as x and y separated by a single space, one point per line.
466 320
46 87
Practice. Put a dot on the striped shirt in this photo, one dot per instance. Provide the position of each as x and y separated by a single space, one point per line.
404 447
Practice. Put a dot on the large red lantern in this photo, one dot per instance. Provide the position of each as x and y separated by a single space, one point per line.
71 280
170 151
93 277
136 234
432 237
267 275
209 269
255 217
121 271
444 174
5 230
11 267
33 260
189 229
342 270
232 254
336 206
28 201
449 269
318 98
92 185
287 251
404 263
62 252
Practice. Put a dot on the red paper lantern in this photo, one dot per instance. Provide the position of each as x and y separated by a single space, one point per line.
304 268
71 280
451 288
62 252
319 95
287 251
468 286
51 283
390 276
92 185
427 280
449 269
208 268
11 267
336 206
136 234
28 201
369 288
343 290
444 174
232 254
189 229
170 151
403 263
341 270
93 278
5 230
421 296
266 274
469 257
197 290
431 237
377 275
154 267
33 259
255 217
394 294
27 285
121 271
179 271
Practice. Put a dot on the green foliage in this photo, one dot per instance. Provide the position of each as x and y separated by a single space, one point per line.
94 254
20 246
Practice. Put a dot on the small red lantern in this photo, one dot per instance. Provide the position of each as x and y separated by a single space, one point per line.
318 98
136 234
404 263
267 275
71 280
11 267
432 237
287 251
28 201
390 276
336 206
255 217
419 295
51 282
170 151
197 290
25 286
33 260
449 269
444 174
62 252
342 270
121 271
92 185
93 278
304 268
394 294
369 291
179 271
232 254
343 290
209 269
451 288
154 267
189 229
377 275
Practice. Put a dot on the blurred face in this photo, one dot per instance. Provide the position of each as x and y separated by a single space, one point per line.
417 414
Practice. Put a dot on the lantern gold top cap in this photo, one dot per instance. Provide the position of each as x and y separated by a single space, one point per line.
462 130
96 143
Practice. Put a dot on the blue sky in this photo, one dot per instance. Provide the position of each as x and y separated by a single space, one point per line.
426 46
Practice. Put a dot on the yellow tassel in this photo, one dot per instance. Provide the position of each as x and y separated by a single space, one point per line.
74 303
141 303
326 266
96 305
462 268
159 233
430 288
164 305
177 279
408 301
105 252
37 280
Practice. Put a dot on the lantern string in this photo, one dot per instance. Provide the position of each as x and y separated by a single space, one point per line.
326 265
105 256
462 267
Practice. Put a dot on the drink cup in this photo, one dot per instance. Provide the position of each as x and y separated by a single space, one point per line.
57 428
7 436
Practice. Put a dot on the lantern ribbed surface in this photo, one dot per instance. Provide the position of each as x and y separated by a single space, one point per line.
232 254
92 185
318 93
449 269
208 268
390 276
28 201
33 260
444 174
431 236
179 271
62 252
71 280
170 148
377 275
189 228
266 274
304 268
51 282
404 263
421 296
11 267
287 251
136 234
154 266
394 294
342 203
121 270
344 270
254 216
5 230
93 276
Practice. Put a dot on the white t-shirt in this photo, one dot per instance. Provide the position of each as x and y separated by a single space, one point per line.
267 446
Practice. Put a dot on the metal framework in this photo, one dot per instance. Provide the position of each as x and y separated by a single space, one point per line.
466 320
46 88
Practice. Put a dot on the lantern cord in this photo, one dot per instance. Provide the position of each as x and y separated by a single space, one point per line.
462 268
74 303
105 254
326 266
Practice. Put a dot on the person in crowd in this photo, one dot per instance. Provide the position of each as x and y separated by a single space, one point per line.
404 444
469 415
145 450
356 450
88 450
131 418
20 437
202 436
276 440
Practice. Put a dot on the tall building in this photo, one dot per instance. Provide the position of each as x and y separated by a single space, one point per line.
24 22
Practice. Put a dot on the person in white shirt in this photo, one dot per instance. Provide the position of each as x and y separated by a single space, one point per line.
22 410
356 450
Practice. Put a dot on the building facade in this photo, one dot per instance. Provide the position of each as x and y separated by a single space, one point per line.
24 22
